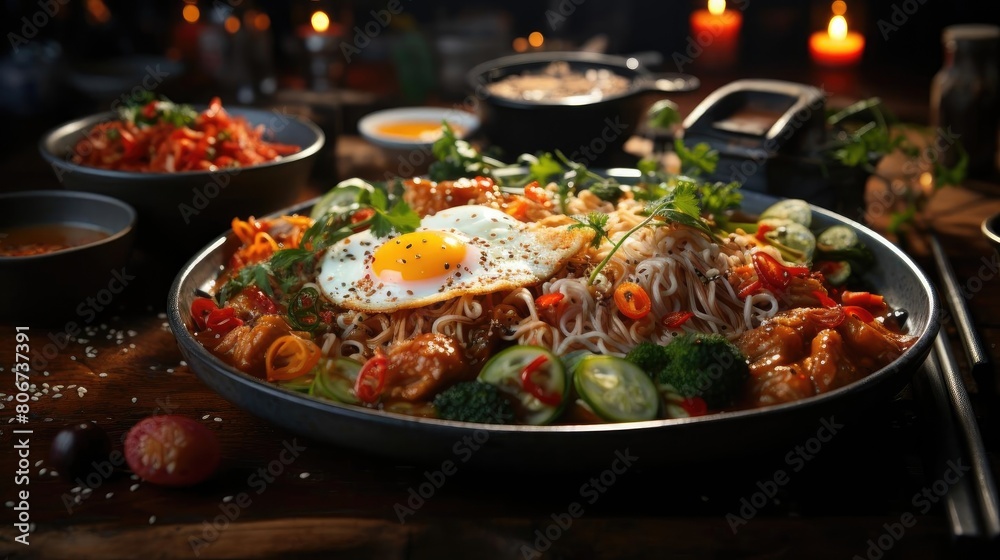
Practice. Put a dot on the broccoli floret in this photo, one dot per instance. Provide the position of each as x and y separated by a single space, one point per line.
608 192
706 366
649 356
472 401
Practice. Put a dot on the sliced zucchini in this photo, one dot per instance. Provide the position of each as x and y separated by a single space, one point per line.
300 384
548 379
837 238
615 389
792 209
838 273
795 236
334 379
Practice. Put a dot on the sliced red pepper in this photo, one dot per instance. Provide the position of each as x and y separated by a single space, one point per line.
632 300
223 320
748 288
260 300
548 301
824 300
200 308
674 320
536 390
860 313
773 274
862 299
762 230
371 379
694 406
149 110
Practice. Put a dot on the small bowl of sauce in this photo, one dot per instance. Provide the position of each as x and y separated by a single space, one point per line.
414 127
40 239
57 249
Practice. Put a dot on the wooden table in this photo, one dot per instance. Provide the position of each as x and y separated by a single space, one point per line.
330 502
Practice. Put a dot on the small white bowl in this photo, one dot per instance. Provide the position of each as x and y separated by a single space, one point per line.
370 126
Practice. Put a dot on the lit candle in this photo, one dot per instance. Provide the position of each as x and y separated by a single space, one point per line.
320 38
837 46
715 35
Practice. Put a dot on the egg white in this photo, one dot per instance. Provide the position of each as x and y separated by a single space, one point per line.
502 253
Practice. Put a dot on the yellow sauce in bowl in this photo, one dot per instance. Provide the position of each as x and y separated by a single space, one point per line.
421 131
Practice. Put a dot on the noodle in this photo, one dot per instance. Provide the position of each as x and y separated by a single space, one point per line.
678 266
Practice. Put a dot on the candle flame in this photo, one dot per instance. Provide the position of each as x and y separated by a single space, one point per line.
716 7
191 13
320 21
838 28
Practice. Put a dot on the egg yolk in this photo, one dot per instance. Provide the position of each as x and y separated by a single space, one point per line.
419 255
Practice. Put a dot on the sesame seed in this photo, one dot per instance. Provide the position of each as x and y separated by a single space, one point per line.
133 488
134 400
304 475
152 519
227 499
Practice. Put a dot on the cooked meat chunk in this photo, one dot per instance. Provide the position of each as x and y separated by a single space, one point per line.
424 365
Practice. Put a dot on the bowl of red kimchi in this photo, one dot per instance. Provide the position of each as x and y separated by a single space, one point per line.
186 169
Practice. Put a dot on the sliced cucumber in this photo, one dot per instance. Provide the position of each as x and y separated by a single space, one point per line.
837 238
790 209
504 372
334 379
300 384
617 390
838 274
795 236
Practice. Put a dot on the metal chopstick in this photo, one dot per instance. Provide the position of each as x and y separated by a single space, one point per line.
978 359
961 505
986 489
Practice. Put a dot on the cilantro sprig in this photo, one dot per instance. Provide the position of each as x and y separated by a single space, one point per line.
679 205
285 269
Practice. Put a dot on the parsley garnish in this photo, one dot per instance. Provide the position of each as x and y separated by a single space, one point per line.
679 205
286 268
457 158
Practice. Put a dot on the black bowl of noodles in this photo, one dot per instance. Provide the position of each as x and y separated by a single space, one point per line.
587 123
568 447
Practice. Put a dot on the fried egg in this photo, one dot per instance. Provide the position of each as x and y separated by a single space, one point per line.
461 250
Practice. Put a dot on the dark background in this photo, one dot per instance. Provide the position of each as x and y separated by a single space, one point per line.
422 55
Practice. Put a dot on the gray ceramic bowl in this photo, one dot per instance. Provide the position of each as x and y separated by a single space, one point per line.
555 448
53 288
182 211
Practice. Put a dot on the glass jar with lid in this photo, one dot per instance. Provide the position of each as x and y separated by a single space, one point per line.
965 97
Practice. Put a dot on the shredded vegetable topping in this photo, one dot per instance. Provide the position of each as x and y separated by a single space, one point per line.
161 136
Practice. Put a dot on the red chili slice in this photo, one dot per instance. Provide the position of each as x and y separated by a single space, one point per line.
371 379
536 390
773 274
824 299
762 230
548 301
748 288
223 320
862 299
200 309
675 319
694 406
860 313
260 300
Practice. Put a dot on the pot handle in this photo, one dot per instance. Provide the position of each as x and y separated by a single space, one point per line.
667 82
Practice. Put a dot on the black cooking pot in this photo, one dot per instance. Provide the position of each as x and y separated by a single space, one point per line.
587 131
